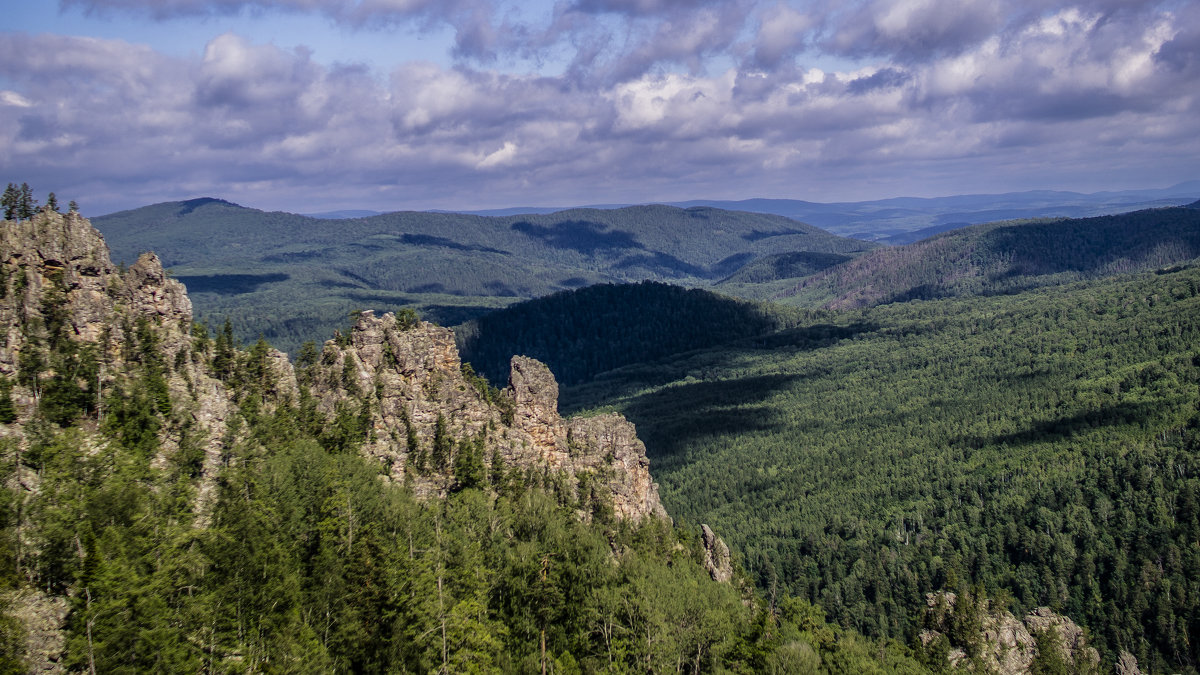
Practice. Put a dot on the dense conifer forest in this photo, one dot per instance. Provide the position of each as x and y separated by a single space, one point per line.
580 334
125 547
1036 446
1040 448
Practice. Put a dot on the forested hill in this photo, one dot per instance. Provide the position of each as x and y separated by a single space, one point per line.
700 242
292 278
1006 257
599 328
171 503
1039 448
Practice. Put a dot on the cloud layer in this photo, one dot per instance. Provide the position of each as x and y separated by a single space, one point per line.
646 100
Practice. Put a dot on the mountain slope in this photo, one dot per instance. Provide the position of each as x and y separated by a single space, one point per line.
173 504
1006 257
1041 445
255 266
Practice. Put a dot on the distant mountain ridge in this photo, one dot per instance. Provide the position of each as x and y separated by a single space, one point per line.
1007 257
903 220
899 220
291 278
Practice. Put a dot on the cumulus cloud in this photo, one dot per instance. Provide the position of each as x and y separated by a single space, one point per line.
658 99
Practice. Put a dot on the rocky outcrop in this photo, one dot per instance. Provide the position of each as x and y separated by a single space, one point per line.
56 276
400 379
397 382
716 555
1127 664
413 373
1007 645
42 617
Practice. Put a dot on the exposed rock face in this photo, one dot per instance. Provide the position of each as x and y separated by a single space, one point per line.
1127 664
716 555
535 395
60 260
43 617
403 377
415 376
1008 646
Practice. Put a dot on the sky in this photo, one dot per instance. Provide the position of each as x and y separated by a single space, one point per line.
317 105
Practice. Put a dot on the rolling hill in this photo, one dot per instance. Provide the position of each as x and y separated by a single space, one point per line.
903 220
584 332
291 278
1005 257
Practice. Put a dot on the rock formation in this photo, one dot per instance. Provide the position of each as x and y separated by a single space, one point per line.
716 555
414 376
402 376
1007 645
396 381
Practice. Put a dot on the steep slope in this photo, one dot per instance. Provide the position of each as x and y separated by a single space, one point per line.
255 267
422 413
1006 258
1042 445
65 308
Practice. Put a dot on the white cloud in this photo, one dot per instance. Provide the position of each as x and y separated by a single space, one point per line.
501 157
655 119
14 99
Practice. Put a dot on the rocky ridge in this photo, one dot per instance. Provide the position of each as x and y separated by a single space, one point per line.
411 375
59 291
58 285
64 307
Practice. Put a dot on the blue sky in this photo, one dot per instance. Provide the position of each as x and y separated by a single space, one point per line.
309 105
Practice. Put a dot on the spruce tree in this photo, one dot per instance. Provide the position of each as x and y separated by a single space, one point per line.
10 201
26 204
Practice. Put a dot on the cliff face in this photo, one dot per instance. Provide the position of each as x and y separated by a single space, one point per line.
403 378
414 384
61 294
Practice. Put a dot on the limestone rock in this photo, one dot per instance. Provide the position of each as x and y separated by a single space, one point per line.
609 446
405 380
154 295
1074 642
716 555
64 260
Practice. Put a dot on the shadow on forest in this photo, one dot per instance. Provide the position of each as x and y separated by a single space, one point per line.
228 284
581 236
1119 414
671 419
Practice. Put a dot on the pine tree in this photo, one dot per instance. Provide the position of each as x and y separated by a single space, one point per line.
8 408
26 204
10 202
441 445
52 202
